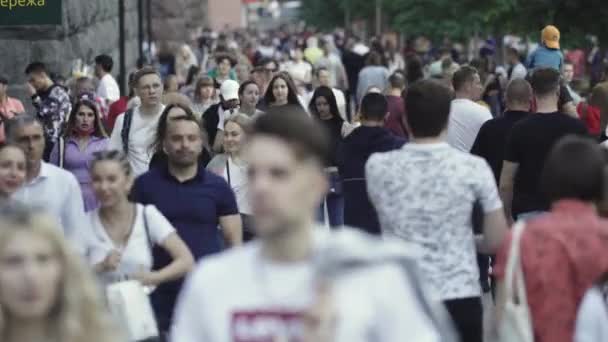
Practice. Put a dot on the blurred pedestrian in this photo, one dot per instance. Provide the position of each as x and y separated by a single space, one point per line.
13 165
232 166
47 294
9 106
107 89
47 186
373 74
562 252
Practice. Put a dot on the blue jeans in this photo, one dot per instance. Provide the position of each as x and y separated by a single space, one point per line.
335 210
334 202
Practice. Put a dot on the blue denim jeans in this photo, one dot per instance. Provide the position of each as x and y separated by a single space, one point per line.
333 204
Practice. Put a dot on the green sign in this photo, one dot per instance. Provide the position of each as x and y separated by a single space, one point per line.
30 12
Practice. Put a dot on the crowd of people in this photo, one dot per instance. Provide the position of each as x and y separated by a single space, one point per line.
299 186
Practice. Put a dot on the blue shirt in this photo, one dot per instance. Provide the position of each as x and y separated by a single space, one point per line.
544 57
193 207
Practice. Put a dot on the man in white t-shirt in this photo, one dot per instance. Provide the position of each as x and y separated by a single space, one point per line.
298 282
466 115
107 89
516 69
134 131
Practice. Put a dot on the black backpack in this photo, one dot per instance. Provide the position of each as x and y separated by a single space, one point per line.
126 129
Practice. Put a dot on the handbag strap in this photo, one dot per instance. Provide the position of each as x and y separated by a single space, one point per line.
61 152
147 228
228 170
515 286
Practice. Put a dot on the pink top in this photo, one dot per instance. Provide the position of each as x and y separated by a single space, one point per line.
8 109
563 253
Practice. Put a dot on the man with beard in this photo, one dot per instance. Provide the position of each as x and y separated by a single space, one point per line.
194 200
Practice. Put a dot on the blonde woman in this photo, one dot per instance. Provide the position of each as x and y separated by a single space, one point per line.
121 234
233 168
46 293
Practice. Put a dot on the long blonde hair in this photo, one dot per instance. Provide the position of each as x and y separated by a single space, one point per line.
78 314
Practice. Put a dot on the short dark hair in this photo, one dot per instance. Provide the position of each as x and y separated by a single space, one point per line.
319 69
244 86
36 67
105 62
307 137
163 124
574 169
427 104
373 58
463 76
518 91
545 81
18 121
223 56
3 80
513 51
147 70
397 80
374 106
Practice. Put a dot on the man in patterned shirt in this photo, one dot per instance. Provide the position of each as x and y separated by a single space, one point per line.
51 101
424 194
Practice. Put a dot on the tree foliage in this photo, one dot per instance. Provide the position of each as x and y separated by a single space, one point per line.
463 18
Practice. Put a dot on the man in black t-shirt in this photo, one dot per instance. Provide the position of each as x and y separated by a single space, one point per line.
529 144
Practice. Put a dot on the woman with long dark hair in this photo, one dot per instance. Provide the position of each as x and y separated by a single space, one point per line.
83 135
323 107
282 92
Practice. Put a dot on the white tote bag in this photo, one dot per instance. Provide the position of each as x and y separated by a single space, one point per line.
130 305
516 323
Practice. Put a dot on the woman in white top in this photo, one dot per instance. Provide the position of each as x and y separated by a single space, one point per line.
233 167
121 234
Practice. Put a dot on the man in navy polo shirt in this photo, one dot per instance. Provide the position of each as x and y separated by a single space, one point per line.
194 200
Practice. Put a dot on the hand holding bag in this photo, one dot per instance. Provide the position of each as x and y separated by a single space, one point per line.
131 307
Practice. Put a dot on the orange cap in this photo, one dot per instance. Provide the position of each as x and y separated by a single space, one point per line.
550 37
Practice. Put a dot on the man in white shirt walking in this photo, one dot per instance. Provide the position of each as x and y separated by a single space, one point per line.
466 115
294 283
107 89
48 187
135 130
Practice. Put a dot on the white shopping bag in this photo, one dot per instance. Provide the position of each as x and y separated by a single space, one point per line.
130 305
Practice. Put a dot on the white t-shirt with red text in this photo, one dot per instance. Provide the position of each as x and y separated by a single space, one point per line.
240 296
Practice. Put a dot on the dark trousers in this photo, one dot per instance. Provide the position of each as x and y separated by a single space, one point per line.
48 148
248 230
467 315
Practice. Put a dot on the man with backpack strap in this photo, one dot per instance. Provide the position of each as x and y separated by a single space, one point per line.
134 130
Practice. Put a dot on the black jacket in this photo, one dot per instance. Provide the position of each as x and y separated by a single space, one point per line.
354 152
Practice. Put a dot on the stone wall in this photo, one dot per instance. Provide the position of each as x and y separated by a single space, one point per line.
174 20
89 28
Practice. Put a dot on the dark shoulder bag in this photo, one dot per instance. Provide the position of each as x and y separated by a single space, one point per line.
126 129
